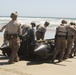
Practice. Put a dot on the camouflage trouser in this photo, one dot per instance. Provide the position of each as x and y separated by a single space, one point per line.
14 44
39 35
74 49
60 45
69 47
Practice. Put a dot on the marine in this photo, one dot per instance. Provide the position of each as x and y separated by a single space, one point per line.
13 29
70 40
60 41
28 36
74 43
33 24
40 30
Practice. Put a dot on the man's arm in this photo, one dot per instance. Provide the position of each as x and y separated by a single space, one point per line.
3 28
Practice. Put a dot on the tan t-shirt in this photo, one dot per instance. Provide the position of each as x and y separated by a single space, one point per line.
13 27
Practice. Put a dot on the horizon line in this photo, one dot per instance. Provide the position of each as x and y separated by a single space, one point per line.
43 17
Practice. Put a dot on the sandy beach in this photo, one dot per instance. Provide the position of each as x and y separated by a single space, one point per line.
23 67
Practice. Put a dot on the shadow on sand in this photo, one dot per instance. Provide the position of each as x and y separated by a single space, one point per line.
3 58
4 63
37 62
31 61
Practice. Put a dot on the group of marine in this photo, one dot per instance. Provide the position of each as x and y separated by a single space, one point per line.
65 37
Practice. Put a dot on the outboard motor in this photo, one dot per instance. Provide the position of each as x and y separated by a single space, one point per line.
4 45
44 50
41 50
6 51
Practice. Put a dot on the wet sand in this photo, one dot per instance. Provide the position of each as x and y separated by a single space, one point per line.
23 67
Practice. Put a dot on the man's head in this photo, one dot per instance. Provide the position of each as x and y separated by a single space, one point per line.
64 22
33 24
14 15
46 24
72 23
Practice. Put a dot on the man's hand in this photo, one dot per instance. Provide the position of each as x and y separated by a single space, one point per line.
0 30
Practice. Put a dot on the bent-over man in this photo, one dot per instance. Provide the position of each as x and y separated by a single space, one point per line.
40 31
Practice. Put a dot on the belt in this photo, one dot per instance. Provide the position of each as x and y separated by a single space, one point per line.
40 31
70 35
61 35
62 32
13 35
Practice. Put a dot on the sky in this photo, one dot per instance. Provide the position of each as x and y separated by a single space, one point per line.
39 8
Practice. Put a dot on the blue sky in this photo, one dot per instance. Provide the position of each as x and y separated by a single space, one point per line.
43 8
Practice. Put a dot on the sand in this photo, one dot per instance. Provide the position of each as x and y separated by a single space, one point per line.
23 67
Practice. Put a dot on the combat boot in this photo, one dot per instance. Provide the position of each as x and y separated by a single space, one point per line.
16 59
10 62
60 60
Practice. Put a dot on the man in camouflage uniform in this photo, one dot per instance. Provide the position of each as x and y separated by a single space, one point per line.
60 41
70 40
40 31
28 36
74 48
74 42
13 29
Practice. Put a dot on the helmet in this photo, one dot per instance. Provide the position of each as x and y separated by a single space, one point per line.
72 23
15 14
64 21
47 23
33 24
